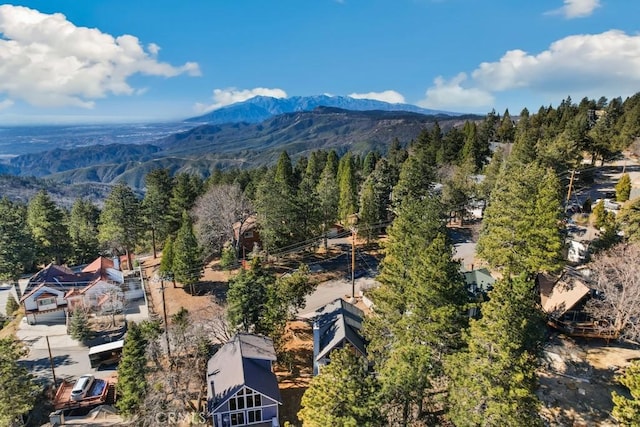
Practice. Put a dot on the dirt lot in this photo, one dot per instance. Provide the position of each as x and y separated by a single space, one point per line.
213 283
577 379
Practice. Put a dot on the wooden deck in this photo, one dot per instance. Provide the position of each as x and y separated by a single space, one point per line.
584 330
62 399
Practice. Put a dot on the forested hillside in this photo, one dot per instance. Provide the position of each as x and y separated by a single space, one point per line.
434 364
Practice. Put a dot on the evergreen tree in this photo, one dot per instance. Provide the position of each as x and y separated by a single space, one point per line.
493 381
521 226
48 228
166 263
15 240
119 228
308 208
629 220
627 411
623 188
343 395
524 147
132 370
506 131
12 306
491 173
475 150
284 172
452 146
79 326
247 295
187 257
458 190
18 390
348 188
83 230
368 217
416 176
328 197
600 215
185 191
419 305
277 212
370 161
157 198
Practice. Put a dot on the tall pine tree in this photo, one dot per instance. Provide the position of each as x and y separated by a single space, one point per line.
419 306
187 256
83 230
343 395
49 229
120 221
493 381
132 370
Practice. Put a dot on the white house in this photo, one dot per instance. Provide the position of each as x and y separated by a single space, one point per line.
44 303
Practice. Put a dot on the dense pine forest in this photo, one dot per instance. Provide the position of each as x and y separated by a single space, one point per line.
433 364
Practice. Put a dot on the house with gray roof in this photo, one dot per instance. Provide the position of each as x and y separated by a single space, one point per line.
242 388
335 325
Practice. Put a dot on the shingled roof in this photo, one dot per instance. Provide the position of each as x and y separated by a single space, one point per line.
241 362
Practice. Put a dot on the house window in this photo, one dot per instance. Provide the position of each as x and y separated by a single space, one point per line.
46 301
245 398
254 415
237 418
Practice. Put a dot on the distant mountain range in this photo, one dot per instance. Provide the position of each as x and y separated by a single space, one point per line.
260 108
201 149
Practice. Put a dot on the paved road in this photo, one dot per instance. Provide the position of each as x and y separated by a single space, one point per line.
332 290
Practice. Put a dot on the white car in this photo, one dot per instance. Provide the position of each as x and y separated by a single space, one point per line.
82 387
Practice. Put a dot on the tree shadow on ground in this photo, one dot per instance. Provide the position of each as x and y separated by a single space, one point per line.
41 368
214 288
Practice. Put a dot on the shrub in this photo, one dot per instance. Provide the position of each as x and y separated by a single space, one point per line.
12 306
228 258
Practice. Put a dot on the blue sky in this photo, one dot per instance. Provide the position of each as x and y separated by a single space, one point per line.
138 60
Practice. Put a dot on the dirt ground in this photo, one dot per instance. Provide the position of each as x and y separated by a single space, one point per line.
295 374
213 284
577 378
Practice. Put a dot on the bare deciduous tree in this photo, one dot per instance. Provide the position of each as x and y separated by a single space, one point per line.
615 277
216 212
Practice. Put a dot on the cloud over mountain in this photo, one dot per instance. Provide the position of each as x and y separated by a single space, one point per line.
232 95
47 61
390 96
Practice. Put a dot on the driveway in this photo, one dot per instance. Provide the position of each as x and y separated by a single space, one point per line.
70 358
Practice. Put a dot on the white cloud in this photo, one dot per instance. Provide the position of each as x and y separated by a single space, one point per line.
231 95
576 8
451 94
5 103
605 64
390 96
47 61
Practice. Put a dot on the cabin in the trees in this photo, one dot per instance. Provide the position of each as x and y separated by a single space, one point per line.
336 325
241 386
479 283
563 299
247 234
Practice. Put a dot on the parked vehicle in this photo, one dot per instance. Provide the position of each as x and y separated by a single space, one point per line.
82 387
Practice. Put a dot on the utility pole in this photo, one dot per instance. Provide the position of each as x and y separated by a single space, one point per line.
53 372
166 322
573 173
354 233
